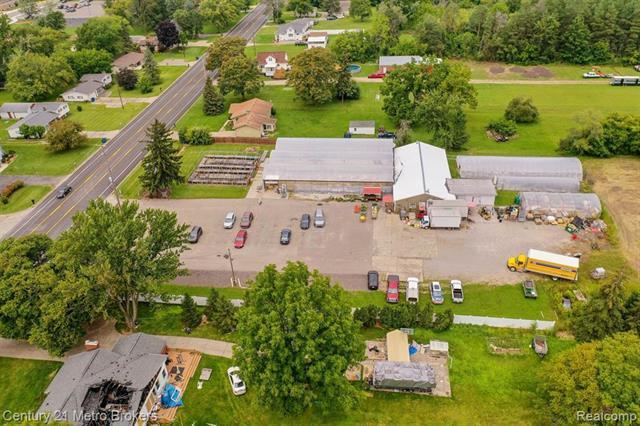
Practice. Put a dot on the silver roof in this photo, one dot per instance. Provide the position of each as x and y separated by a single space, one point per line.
471 187
139 343
487 167
369 123
398 60
298 25
41 118
16 107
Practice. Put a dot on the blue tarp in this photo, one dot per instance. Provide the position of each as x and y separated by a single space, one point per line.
171 396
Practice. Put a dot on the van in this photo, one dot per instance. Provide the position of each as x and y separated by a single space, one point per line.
412 290
318 218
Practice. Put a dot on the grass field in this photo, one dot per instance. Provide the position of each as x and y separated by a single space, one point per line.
33 158
95 117
168 74
196 118
505 198
291 49
21 199
487 70
188 54
26 381
346 23
486 388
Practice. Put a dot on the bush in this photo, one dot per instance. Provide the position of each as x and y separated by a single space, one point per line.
502 128
443 320
79 108
195 136
127 79
10 189
367 315
521 110
145 84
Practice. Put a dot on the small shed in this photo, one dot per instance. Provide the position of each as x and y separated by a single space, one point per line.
461 205
586 205
362 127
481 192
398 346
444 217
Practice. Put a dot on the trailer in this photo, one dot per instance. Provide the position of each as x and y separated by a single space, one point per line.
625 80
545 263
444 217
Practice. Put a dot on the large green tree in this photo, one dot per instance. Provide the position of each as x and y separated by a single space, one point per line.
313 75
53 19
300 7
110 33
6 46
168 34
602 315
64 135
190 21
162 163
148 13
123 252
88 61
240 75
150 67
222 13
34 77
213 100
360 9
296 338
224 48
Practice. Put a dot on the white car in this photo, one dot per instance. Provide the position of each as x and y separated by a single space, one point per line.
237 385
457 294
229 220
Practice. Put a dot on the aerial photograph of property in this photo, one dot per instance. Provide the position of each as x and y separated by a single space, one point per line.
320 212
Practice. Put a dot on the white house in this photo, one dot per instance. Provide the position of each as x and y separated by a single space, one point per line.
294 30
103 78
362 127
41 118
60 108
317 39
88 91
270 62
18 110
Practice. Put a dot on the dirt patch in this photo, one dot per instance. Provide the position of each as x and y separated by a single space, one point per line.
496 69
615 180
532 72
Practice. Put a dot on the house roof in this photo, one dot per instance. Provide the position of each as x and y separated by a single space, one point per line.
299 26
471 187
47 106
253 120
254 105
139 343
369 123
40 118
94 77
398 60
130 59
280 57
86 88
16 107
317 36
421 169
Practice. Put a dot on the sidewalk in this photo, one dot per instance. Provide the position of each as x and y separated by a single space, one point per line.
205 346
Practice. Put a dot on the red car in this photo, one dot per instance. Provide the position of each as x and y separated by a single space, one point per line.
376 75
393 282
241 239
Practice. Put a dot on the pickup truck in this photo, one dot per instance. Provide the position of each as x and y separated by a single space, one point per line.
457 295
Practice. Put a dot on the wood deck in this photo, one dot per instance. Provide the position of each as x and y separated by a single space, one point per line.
182 366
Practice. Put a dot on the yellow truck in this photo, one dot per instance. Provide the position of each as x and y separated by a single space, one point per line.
542 262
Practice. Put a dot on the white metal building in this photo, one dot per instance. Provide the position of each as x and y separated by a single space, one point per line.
362 127
481 192
330 165
421 171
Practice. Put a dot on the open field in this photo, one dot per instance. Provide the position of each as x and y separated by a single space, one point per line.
346 23
291 49
168 74
189 54
196 118
21 199
27 381
33 158
97 117
501 71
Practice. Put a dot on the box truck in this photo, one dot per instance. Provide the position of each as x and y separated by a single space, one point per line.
542 262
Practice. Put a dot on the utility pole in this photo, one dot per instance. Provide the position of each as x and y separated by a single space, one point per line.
233 273
120 96
111 184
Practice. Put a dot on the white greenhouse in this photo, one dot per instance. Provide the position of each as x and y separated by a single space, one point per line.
585 205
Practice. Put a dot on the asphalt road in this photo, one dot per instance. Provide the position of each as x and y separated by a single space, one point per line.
101 173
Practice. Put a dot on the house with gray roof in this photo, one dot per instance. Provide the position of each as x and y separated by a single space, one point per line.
104 78
123 388
294 30
87 91
18 110
41 118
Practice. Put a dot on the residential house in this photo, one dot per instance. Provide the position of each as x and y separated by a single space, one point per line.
317 39
132 60
122 386
88 91
270 62
103 78
294 30
60 108
362 127
40 118
252 118
18 110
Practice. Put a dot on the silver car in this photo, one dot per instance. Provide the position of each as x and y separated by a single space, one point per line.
318 218
229 220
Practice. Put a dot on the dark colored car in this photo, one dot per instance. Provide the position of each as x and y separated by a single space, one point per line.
195 234
300 43
386 135
241 239
372 280
63 191
529 288
393 284
305 221
331 18
285 236
247 218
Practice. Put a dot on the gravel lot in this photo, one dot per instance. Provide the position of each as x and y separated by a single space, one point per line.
346 249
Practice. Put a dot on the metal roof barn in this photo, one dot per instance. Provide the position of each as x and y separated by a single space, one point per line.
421 169
586 205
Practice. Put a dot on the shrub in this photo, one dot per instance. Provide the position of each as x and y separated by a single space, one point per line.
145 84
127 79
367 315
10 189
79 108
443 320
502 128
521 110
195 136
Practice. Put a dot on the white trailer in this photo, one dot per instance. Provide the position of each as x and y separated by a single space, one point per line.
444 217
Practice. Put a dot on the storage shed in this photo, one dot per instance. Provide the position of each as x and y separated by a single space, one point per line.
406 376
481 192
398 346
586 205
362 127
558 174
444 217
330 165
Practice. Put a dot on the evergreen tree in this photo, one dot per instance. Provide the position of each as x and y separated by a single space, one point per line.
162 162
576 43
150 67
213 99
189 315
603 315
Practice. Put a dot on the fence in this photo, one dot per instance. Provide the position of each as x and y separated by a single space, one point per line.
243 140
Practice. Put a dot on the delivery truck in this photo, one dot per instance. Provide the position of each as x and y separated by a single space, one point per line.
542 262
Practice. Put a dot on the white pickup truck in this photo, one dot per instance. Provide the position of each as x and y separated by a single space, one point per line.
457 295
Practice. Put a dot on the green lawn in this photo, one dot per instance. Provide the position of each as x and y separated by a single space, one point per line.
21 199
346 23
483 71
505 198
33 158
487 389
168 74
189 54
291 49
266 34
96 117
196 118
27 381
191 156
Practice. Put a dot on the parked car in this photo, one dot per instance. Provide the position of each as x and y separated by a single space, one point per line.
331 18
318 218
386 135
300 43
457 295
437 298
376 75
305 221
237 384
241 239
393 283
285 236
413 291
229 220
195 234
372 280
529 288
636 67
245 221
63 191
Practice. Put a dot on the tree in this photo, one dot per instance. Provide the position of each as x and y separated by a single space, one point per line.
64 135
394 15
332 7
276 11
125 253
300 7
54 20
168 34
190 21
88 61
602 315
32 132
296 338
162 163
346 88
148 13
224 48
6 46
110 33
220 312
431 34
195 136
127 79
189 315
37 39
34 77
222 13
632 312
213 99
403 133
521 110
150 67
360 9
353 46
576 43
367 315
241 76
145 85
28 7
313 75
